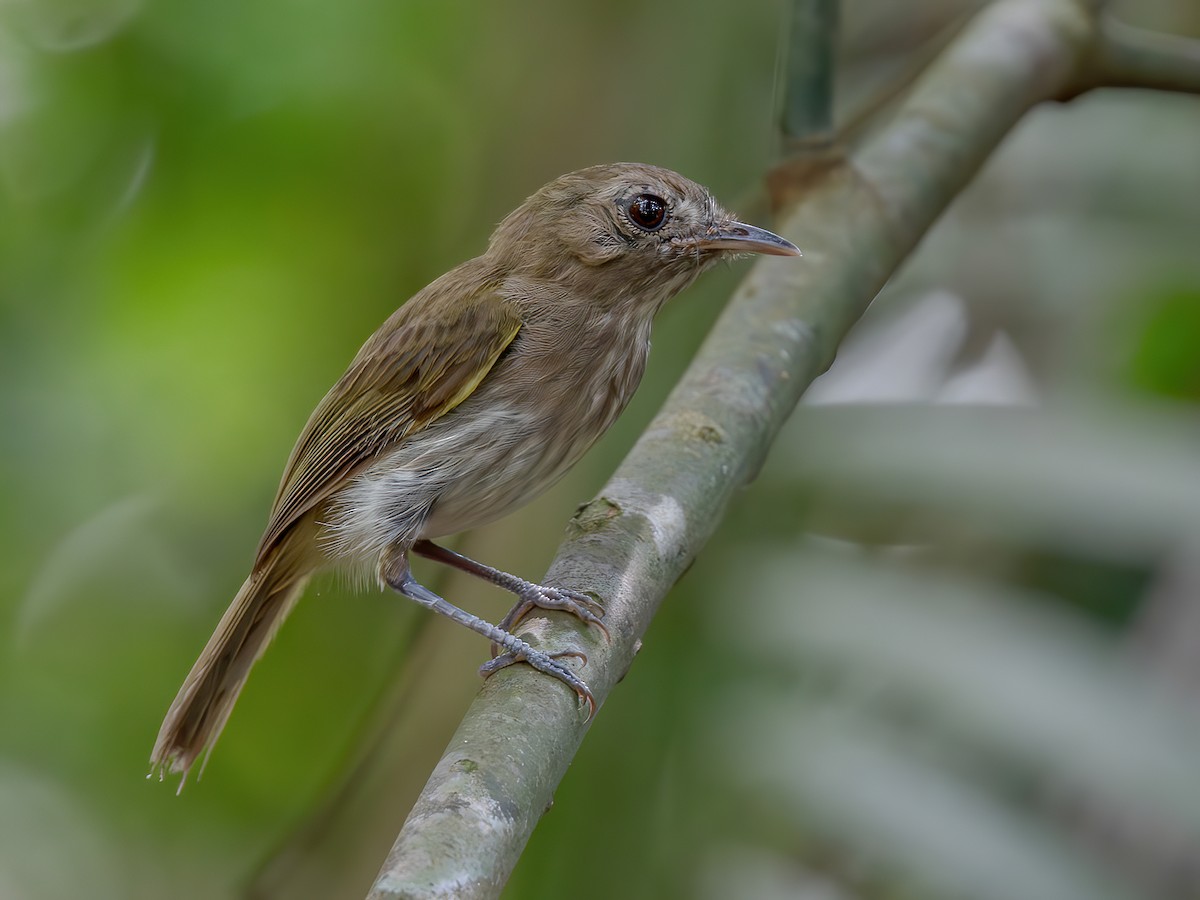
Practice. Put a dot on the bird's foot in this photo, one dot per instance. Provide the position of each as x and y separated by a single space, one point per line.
547 663
536 596
529 595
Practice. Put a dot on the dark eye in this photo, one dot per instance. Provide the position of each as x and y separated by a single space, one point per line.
648 212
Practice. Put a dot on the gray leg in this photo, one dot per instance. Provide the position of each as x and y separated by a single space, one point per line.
531 595
394 571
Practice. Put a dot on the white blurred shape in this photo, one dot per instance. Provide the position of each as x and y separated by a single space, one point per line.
902 360
751 873
999 378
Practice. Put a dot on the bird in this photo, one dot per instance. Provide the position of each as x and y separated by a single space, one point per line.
472 398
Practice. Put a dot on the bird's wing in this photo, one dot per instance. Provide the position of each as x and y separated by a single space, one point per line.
412 371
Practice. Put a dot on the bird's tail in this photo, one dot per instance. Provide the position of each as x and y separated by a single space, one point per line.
203 704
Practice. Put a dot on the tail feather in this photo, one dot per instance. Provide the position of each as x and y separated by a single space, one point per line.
203 704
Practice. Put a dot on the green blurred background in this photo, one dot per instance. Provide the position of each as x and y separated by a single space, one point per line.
947 646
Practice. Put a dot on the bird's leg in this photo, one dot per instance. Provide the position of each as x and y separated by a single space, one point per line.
529 594
394 571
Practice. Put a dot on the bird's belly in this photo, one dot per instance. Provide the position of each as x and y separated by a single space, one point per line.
467 469
510 463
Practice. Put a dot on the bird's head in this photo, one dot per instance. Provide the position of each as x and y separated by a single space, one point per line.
626 229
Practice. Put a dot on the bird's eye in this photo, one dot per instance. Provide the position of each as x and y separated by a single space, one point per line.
648 211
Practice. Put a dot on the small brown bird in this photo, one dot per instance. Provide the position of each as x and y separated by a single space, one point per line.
472 398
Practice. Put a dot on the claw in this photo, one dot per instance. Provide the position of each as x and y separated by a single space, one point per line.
581 606
504 660
547 663
536 596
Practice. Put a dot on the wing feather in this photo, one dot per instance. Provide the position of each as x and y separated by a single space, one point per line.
412 371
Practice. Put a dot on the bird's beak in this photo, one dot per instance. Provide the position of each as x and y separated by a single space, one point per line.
742 238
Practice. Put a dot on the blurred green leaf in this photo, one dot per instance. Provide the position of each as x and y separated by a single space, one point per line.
848 779
1164 360
1039 689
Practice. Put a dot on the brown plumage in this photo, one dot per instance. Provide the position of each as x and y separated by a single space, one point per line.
473 397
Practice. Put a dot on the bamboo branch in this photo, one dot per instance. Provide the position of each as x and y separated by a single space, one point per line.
1125 57
856 220
807 119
